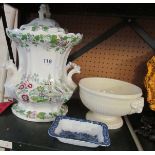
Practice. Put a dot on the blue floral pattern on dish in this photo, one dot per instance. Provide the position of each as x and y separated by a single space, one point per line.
80 136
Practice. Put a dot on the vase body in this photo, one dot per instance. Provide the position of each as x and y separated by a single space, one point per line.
42 83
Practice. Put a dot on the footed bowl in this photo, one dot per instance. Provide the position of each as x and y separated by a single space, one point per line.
109 99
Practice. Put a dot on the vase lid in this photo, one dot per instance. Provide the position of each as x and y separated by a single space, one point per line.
44 22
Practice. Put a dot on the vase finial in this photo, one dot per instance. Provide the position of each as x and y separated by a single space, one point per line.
44 11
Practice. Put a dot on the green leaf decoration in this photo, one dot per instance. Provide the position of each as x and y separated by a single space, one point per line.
42 41
15 107
37 37
21 111
61 112
24 37
65 37
34 28
45 28
41 38
13 35
28 113
38 99
40 88
65 100
53 39
51 114
60 43
55 114
74 39
57 49
41 115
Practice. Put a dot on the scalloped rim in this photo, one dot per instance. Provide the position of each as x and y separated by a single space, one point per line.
60 41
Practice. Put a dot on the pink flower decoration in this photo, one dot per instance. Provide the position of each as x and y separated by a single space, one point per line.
30 85
25 97
21 86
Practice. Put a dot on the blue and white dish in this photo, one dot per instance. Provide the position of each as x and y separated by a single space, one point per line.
80 132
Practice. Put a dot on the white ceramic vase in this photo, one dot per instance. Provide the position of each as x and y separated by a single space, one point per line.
42 82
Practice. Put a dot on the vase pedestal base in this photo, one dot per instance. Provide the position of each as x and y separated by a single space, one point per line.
113 122
34 116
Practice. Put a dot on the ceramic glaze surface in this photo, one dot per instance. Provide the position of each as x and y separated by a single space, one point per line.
109 99
43 81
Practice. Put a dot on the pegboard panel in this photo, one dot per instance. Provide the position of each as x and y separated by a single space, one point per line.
122 56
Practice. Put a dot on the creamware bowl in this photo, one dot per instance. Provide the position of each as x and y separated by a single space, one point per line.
109 99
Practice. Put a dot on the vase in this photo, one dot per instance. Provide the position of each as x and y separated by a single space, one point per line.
43 81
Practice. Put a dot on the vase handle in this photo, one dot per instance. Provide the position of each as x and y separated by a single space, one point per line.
75 69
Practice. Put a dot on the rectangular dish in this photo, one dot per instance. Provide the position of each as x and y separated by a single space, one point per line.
79 132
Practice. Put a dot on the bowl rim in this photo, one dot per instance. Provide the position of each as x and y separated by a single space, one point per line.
110 95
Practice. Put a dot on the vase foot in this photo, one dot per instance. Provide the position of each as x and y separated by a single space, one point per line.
34 116
113 122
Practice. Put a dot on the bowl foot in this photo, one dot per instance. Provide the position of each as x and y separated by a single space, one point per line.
112 122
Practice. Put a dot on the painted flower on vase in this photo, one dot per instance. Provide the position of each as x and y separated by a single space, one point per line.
25 97
21 86
30 85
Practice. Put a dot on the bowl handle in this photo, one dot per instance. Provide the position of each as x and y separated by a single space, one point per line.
137 105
